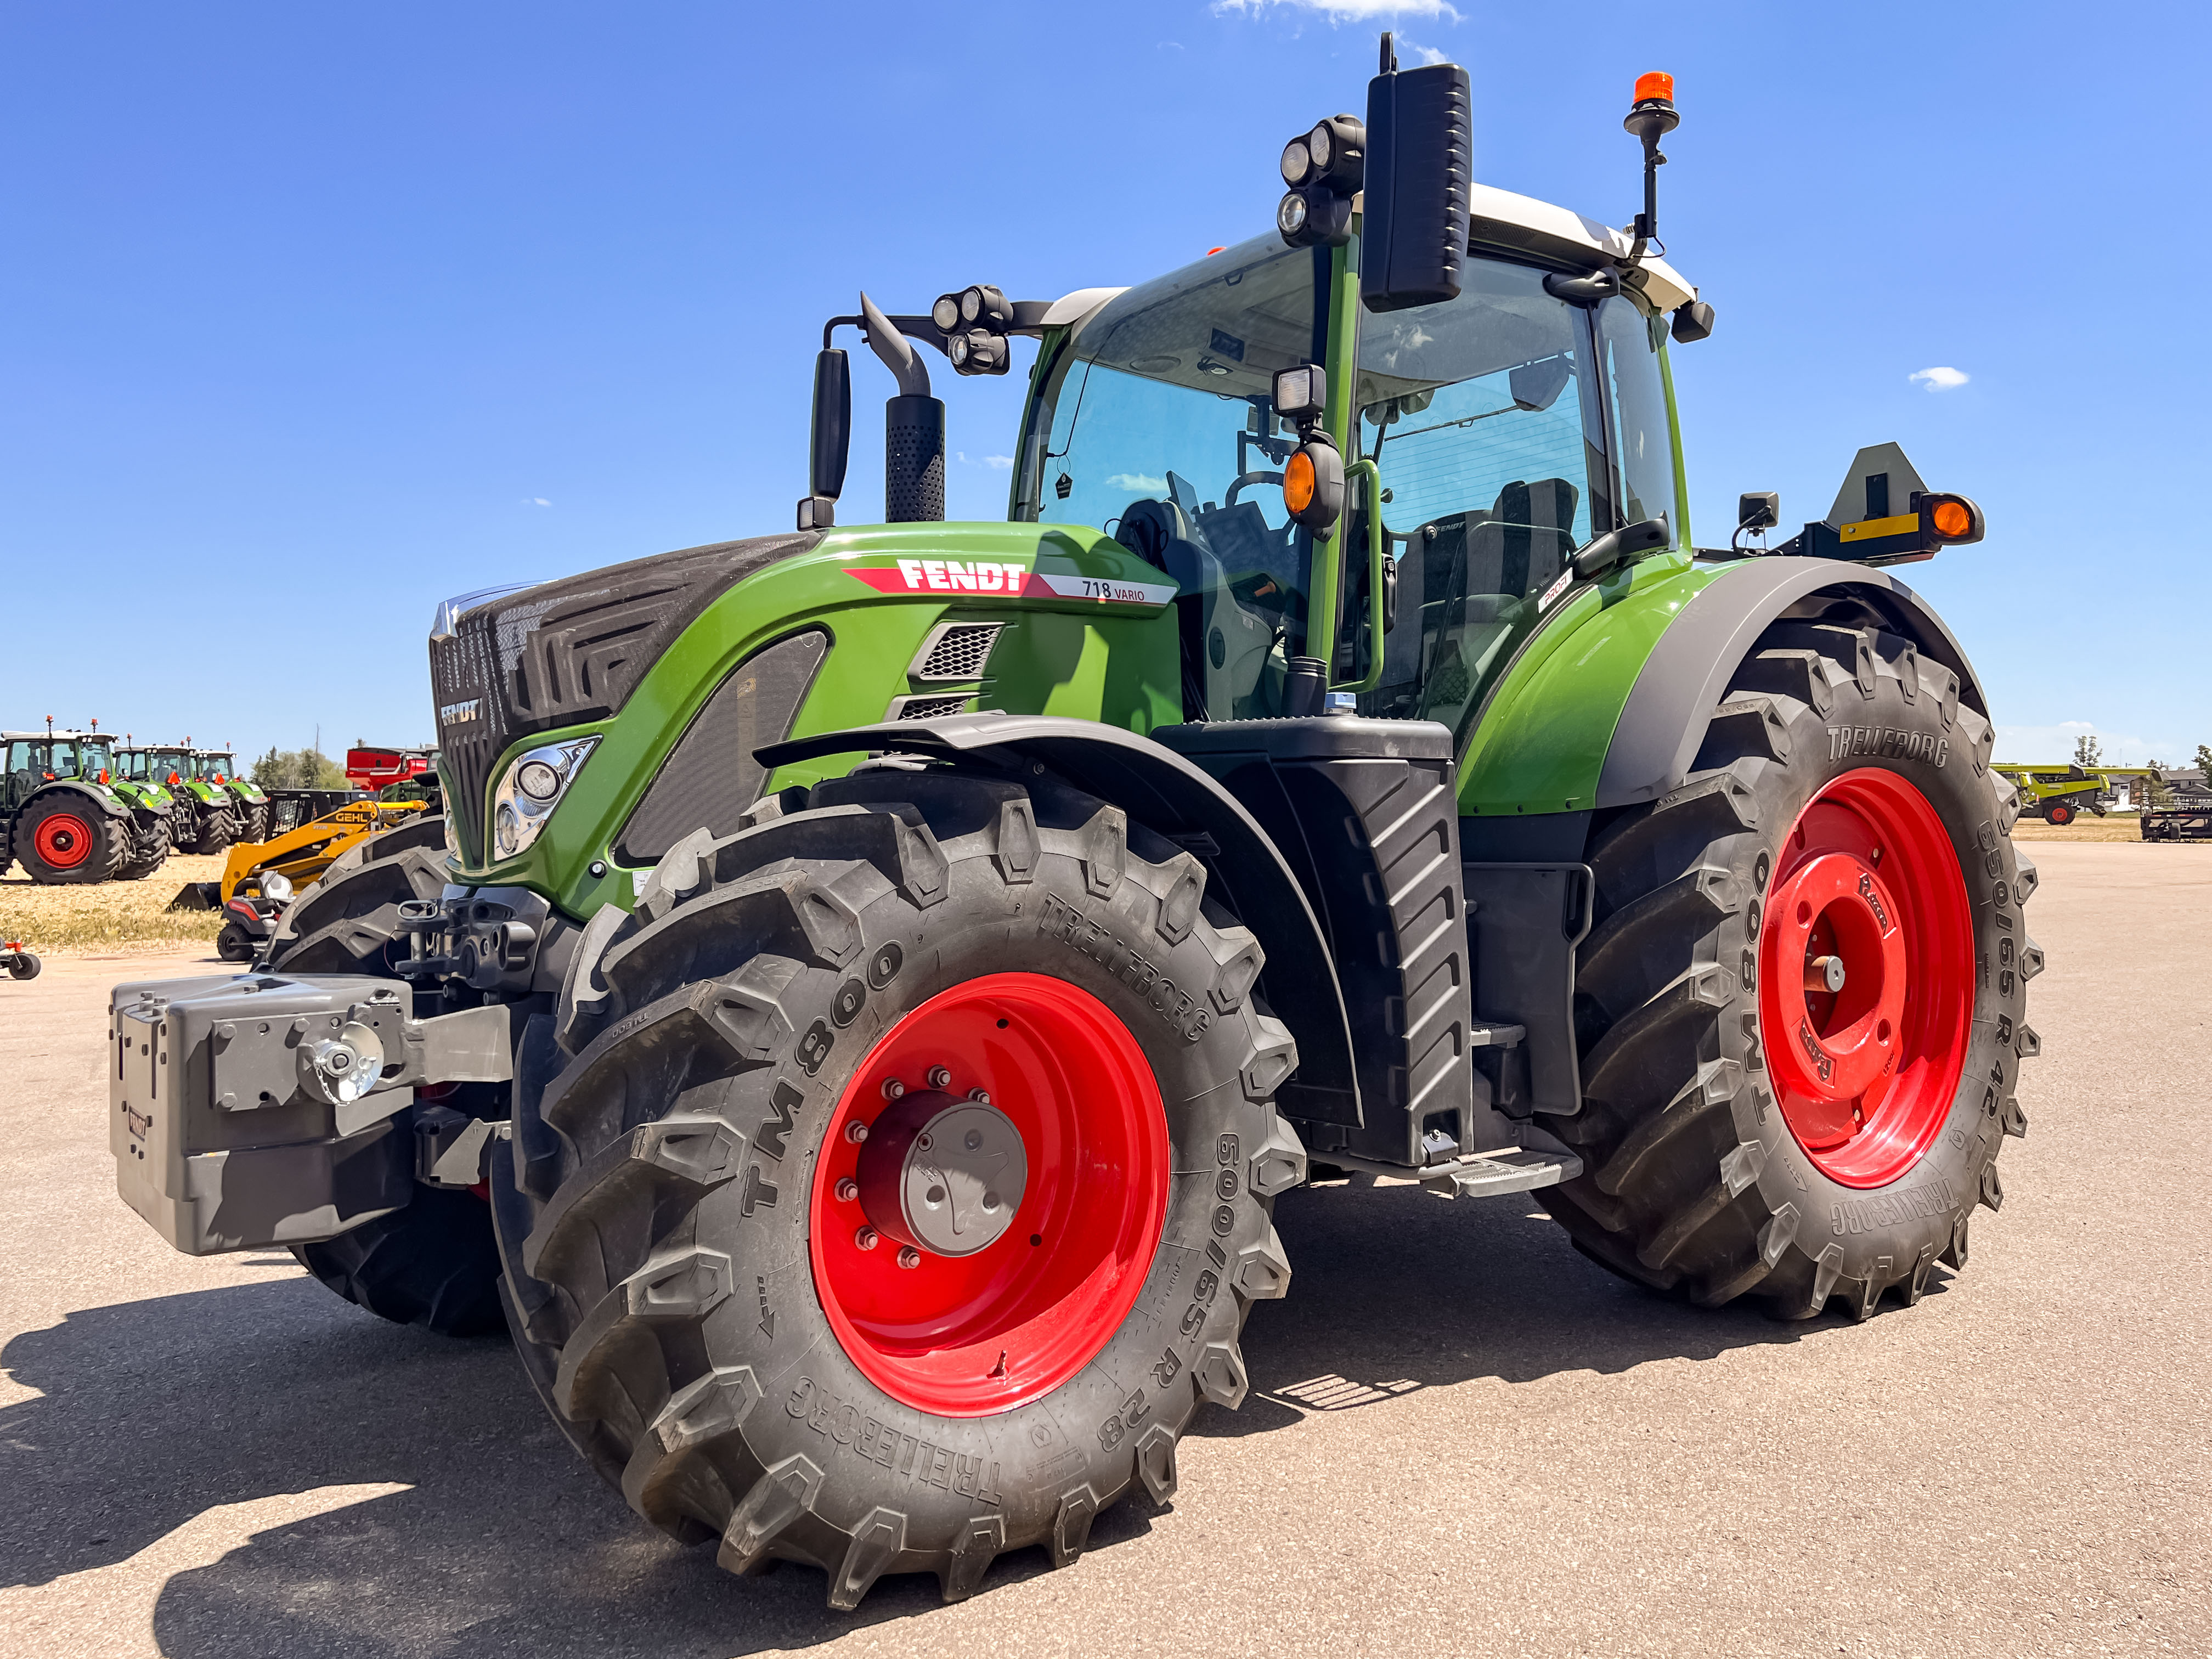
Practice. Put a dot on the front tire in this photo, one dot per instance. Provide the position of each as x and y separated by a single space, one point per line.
694 1288
434 1263
1744 1131
2058 814
347 920
153 853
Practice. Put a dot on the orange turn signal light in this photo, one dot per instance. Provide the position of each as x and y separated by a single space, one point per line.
1952 519
1298 484
1655 85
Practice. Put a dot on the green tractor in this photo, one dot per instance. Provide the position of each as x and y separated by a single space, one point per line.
882 978
203 818
249 806
68 816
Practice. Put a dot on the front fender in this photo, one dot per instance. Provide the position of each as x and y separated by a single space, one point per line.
1170 795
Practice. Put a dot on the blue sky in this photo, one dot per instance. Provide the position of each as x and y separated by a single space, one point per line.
315 315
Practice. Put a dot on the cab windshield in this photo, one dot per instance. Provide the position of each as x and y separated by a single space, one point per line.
1509 427
1155 423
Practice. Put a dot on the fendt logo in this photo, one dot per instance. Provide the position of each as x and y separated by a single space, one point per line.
1016 580
455 713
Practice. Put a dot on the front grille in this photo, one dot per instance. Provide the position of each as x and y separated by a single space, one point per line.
956 651
924 708
567 651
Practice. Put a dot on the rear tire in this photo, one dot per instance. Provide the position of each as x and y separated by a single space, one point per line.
21 964
690 1289
256 824
1712 1170
65 840
234 944
2059 813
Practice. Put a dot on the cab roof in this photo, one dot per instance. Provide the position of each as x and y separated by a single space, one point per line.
1497 219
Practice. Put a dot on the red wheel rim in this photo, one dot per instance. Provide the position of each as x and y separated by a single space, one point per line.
62 841
970 1335
2060 815
1866 1075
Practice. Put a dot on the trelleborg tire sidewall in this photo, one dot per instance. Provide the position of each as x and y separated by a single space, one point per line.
1914 1214
939 1471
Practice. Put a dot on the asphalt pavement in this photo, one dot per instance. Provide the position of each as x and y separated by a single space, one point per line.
1462 1437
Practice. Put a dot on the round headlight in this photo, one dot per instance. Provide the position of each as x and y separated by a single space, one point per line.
971 304
1291 216
945 313
958 351
506 829
1321 145
1298 161
538 781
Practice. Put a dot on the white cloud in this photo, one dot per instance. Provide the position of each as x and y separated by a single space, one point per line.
999 462
1426 54
1346 11
1137 482
1939 380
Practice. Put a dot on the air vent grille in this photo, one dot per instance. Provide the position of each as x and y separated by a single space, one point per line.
926 709
957 651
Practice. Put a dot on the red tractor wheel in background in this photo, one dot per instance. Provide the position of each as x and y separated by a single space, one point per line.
2059 812
62 839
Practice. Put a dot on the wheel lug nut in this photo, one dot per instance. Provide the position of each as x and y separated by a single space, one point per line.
909 1257
941 1077
866 1238
893 1088
856 1132
847 1190
980 1096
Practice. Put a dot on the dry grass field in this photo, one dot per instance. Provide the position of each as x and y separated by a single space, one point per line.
110 916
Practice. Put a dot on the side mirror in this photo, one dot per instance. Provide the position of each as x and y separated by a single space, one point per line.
832 444
1420 161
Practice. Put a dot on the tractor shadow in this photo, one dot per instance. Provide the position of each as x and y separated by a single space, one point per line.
151 1413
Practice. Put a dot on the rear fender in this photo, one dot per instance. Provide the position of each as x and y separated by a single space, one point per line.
1168 793
1662 725
104 801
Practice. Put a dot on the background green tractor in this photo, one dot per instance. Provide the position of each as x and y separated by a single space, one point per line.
203 817
67 816
885 977
249 806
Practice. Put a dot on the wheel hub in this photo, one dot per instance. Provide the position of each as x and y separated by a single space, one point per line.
1867 970
63 840
989 1195
943 1174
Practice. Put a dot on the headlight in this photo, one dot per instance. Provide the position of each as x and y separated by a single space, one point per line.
945 313
1298 161
1320 146
529 790
1291 216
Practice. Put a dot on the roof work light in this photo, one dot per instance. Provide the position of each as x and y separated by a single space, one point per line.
1323 167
